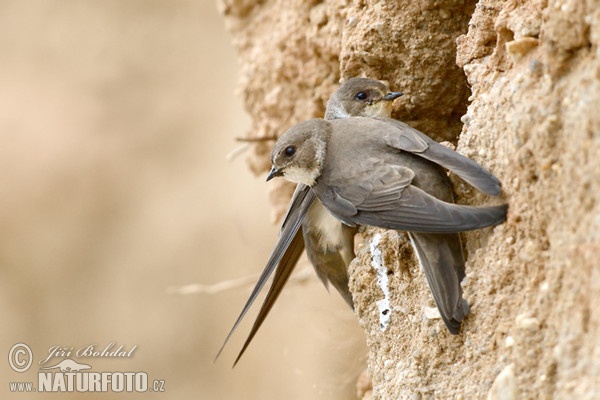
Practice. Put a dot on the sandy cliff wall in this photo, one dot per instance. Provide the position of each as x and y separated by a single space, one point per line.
516 85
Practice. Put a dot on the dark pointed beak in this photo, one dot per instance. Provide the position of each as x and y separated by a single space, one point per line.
392 95
274 173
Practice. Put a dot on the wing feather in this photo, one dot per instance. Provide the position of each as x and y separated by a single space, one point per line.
386 199
287 250
406 138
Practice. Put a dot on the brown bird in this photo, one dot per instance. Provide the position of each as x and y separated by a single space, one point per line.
329 243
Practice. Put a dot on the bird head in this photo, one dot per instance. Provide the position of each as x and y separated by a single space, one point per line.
361 97
299 154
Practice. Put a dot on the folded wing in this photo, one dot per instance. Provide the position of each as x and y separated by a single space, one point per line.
287 250
385 198
403 137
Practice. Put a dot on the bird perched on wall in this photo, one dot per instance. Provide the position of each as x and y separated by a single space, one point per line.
392 170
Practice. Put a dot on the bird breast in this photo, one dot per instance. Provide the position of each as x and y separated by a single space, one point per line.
329 230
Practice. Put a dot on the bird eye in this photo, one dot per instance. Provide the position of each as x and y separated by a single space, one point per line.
290 151
361 96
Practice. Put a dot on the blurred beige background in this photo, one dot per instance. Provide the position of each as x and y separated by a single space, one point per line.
115 120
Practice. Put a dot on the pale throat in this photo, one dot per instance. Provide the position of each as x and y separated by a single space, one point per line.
302 175
379 109
385 109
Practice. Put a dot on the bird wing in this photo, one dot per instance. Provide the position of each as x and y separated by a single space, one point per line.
384 197
298 197
287 250
442 261
401 136
376 190
282 273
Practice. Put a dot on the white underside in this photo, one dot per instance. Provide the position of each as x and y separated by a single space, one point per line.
329 228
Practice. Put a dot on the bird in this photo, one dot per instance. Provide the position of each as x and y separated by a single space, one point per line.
440 255
329 244
381 172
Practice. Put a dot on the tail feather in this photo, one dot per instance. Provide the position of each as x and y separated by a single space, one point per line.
442 260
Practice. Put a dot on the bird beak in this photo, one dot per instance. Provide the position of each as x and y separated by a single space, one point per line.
392 95
273 173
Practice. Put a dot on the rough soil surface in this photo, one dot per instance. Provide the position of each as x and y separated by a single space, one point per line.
532 119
